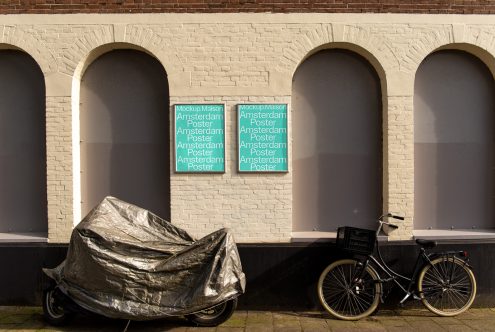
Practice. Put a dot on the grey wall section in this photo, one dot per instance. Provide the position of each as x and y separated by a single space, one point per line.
23 202
282 276
286 276
337 176
454 150
125 132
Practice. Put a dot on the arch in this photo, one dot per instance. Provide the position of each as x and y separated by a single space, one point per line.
454 139
98 51
429 45
376 48
123 128
104 38
482 54
14 37
99 39
354 48
429 40
23 193
337 141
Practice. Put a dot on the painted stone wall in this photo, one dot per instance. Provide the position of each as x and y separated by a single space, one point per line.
231 59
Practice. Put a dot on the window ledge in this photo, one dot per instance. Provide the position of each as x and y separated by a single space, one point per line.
459 234
427 234
313 236
316 236
23 237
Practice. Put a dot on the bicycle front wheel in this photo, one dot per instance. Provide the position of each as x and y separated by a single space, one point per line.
447 286
347 291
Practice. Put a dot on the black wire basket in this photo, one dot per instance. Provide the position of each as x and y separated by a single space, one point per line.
356 240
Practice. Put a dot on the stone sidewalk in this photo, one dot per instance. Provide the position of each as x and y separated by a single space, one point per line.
30 319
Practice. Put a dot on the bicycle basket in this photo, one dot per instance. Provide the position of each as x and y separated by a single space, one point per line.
356 240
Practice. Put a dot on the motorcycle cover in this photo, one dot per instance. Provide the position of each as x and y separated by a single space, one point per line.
125 262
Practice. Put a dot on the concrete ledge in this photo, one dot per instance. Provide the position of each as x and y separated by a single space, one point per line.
322 237
313 236
23 237
447 234
429 234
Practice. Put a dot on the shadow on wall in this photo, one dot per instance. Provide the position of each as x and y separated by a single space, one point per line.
125 150
454 108
23 200
337 121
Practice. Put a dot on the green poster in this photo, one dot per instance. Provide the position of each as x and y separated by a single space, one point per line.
199 138
262 137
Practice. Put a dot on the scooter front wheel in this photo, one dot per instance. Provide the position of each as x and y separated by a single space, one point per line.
215 315
53 311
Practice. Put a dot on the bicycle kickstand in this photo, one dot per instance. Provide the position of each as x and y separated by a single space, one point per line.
408 295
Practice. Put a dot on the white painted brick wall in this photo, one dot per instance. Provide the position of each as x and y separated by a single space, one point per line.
59 168
234 59
257 207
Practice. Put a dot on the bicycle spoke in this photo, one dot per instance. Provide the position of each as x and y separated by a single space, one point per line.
447 287
457 300
341 305
348 290
335 294
464 281
435 273
362 303
338 302
337 280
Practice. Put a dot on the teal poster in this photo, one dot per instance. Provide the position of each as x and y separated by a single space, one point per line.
262 137
199 138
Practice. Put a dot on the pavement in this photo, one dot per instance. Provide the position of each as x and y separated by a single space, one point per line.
419 320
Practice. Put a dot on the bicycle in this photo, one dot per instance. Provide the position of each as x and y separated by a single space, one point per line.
351 289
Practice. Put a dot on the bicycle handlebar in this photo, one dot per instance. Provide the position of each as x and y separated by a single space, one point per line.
390 215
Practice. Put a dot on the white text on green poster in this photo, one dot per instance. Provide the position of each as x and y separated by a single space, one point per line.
262 137
200 138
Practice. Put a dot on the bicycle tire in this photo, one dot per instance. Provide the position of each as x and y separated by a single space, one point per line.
447 286
345 298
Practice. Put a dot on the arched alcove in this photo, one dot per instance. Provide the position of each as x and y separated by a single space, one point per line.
453 141
124 130
337 142
23 200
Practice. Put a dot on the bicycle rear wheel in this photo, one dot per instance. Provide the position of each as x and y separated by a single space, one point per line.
347 291
447 286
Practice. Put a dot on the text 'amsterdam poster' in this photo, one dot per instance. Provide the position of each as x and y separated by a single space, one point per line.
262 137
200 138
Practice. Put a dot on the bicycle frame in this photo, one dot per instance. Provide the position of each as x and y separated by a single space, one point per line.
351 289
422 259
409 290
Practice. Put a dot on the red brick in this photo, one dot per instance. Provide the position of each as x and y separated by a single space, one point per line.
282 6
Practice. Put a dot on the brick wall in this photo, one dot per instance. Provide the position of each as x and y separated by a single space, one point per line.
59 167
257 207
236 59
232 6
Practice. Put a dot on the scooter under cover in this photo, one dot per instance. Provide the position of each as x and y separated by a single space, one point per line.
125 262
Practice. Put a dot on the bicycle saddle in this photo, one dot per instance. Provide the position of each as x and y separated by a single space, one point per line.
427 244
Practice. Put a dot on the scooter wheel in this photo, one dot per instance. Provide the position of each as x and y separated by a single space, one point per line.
215 315
53 311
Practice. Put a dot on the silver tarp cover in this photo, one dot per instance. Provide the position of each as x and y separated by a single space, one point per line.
125 262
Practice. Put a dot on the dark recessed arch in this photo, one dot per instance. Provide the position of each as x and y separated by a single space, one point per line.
124 121
23 200
454 162
337 142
